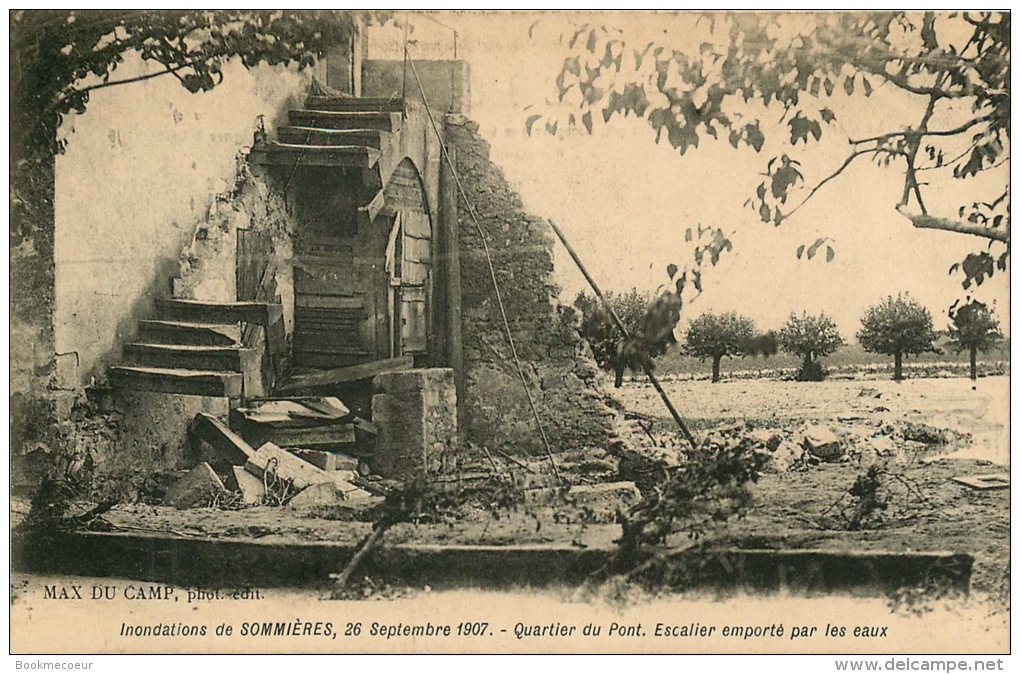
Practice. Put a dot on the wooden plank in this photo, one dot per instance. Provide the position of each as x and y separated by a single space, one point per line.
218 312
984 482
372 209
187 356
341 156
414 273
347 374
305 135
418 250
327 351
214 432
384 121
334 435
413 329
354 104
352 304
183 332
310 339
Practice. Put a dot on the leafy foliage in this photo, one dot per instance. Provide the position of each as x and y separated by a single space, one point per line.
60 57
897 326
711 335
810 337
974 326
733 76
710 486
650 324
717 336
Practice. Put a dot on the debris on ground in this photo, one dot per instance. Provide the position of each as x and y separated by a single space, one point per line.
822 443
199 487
984 482
326 460
227 445
322 494
251 488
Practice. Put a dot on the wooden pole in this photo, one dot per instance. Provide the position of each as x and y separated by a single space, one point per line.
626 333
450 257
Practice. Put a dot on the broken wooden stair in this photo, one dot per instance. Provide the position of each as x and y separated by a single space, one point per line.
321 423
339 132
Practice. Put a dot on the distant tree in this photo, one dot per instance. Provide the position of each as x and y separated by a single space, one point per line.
717 335
649 322
763 344
974 328
810 338
897 326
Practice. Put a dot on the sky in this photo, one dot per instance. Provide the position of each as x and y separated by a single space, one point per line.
625 202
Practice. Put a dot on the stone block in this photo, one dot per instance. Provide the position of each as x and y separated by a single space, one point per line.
300 473
410 381
270 458
822 443
327 461
783 457
195 489
325 493
252 489
765 437
416 415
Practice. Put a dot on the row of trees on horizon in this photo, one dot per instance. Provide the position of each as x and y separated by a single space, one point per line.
897 326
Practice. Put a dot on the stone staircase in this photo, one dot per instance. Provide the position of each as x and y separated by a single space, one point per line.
197 348
208 348
341 132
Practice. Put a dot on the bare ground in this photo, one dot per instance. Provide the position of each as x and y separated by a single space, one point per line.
799 508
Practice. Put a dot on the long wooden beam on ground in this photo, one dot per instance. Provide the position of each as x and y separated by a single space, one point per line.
346 375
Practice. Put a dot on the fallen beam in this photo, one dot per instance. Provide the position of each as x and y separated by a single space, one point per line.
216 434
346 375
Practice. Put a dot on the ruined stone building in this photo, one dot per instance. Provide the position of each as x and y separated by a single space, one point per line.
215 250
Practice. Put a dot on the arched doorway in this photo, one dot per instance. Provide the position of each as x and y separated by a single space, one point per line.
362 288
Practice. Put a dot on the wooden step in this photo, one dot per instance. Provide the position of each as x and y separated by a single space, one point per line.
323 119
175 380
192 357
184 332
350 104
337 156
306 135
218 313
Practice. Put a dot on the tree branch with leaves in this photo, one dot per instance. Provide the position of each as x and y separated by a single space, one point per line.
739 76
59 58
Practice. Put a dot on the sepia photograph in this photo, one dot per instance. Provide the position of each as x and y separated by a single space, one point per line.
510 332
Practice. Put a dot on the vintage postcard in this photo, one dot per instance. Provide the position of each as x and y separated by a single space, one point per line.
511 332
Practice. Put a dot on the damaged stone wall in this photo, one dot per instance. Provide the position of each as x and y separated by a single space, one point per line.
208 264
561 374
